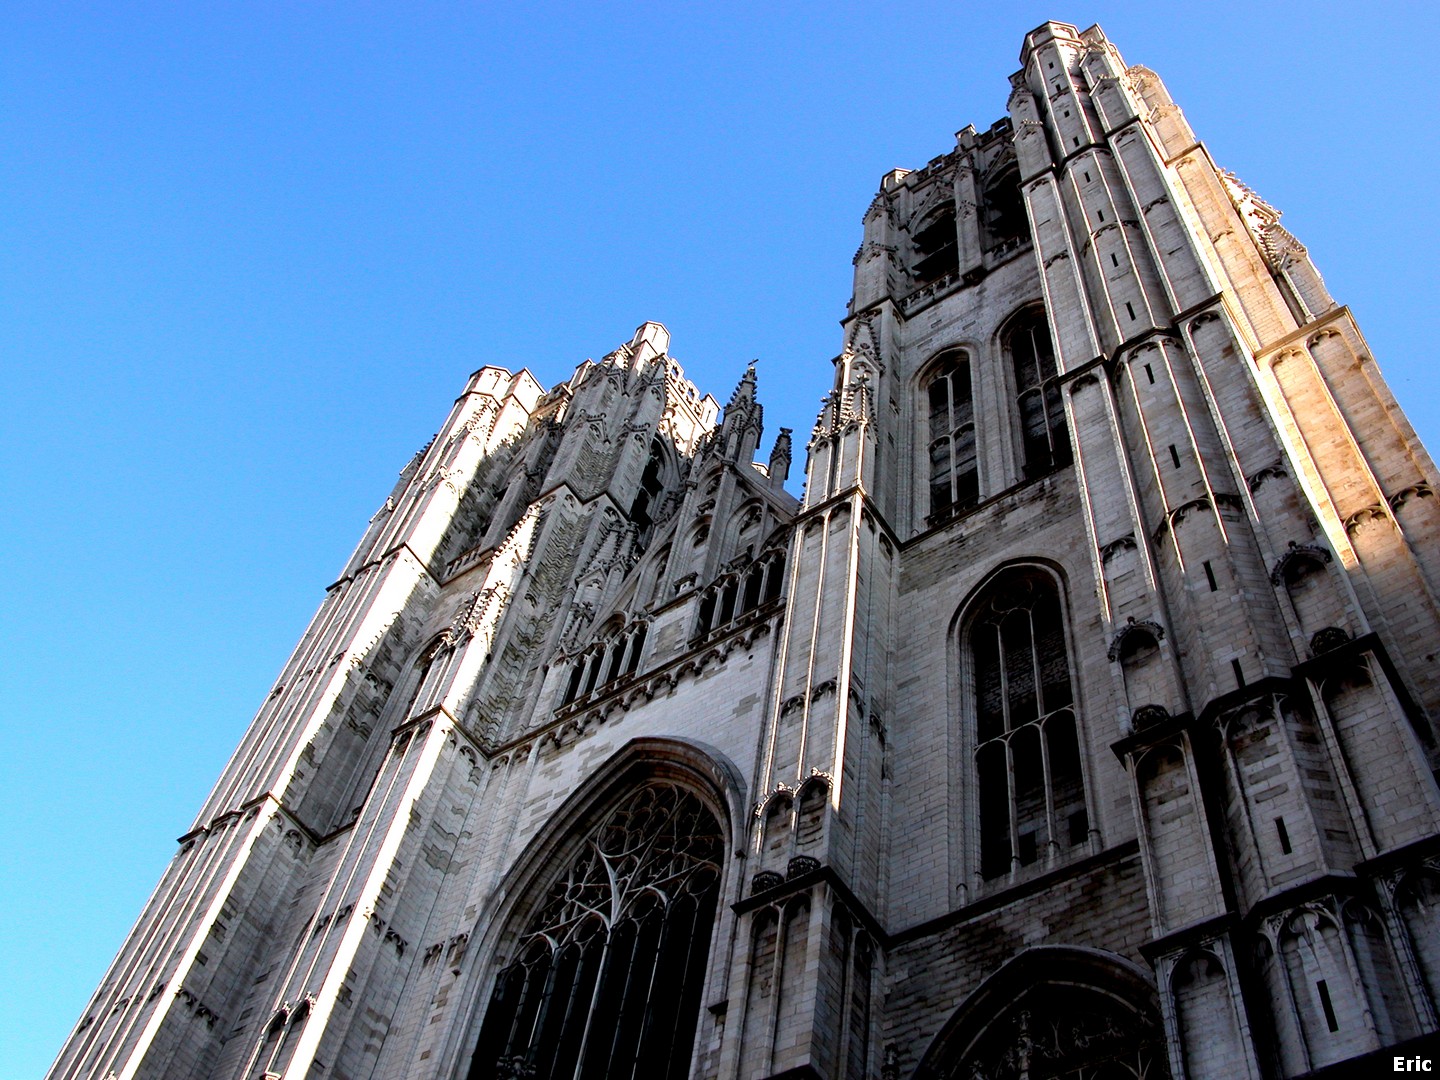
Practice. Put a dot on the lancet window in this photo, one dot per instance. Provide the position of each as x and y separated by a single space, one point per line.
937 250
1027 751
954 474
609 968
1044 439
1003 219
604 662
652 485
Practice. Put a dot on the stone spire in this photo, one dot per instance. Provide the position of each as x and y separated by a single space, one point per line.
780 458
741 427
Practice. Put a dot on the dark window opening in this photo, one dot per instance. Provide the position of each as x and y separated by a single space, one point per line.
754 581
1044 439
1004 222
954 469
592 663
636 647
1327 1005
732 597
937 248
775 577
727 602
1210 576
1059 1028
1283 834
617 658
606 662
1029 849
643 508
1174 456
1079 828
1027 758
611 965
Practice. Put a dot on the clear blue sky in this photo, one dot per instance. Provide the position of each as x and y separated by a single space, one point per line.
250 251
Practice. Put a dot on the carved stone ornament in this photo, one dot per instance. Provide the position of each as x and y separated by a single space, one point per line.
765 880
801 864
1297 553
1110 550
1328 640
1147 716
1132 626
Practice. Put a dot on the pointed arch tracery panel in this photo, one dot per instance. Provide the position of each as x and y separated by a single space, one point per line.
610 964
1054 1013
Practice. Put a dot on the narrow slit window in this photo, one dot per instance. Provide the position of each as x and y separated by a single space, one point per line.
1283 834
1210 576
1327 1005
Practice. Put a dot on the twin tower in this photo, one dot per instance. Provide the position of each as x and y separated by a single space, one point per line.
1080 720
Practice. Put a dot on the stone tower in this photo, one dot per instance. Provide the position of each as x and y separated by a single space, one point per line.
1081 716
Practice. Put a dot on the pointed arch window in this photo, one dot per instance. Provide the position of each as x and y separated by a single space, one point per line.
954 472
1027 750
1044 439
738 592
617 653
937 247
1057 1014
647 499
1003 218
610 966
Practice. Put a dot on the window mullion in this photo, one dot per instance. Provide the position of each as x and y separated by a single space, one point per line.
665 931
1035 666
1051 834
546 1000
594 1001
1041 709
1004 678
1014 806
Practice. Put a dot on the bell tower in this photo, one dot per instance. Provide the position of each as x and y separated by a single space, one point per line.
1079 719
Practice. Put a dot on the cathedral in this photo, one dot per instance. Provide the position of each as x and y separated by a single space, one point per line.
1079 721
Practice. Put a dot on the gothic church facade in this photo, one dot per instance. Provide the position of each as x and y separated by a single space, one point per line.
1079 720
